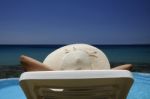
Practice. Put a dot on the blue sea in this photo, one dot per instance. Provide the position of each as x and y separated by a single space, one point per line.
117 54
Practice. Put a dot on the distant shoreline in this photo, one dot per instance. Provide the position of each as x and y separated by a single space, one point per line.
10 71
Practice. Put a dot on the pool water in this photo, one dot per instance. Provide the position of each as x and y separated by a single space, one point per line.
10 89
141 86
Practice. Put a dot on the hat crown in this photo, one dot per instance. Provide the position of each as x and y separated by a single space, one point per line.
77 57
76 60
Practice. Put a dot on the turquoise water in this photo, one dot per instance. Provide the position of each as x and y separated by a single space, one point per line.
141 86
136 54
10 89
9 55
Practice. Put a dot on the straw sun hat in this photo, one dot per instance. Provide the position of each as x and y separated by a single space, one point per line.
77 57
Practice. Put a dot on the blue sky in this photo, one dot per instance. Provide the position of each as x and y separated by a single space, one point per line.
74 21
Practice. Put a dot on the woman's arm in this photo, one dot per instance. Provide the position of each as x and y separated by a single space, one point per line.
30 64
123 67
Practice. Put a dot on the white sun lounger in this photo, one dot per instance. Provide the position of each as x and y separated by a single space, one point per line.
81 84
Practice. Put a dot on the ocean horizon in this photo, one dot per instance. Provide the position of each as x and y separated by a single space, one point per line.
139 54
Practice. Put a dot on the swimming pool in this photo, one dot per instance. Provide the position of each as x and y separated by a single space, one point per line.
10 89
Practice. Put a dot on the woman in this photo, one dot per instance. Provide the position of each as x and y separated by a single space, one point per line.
72 57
